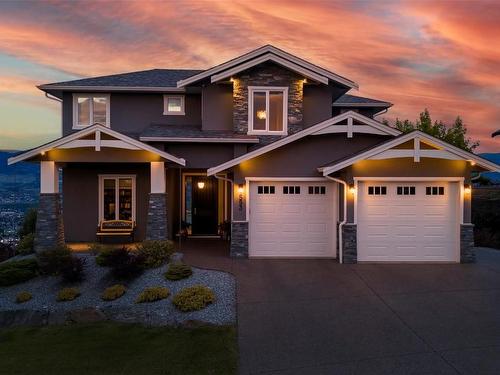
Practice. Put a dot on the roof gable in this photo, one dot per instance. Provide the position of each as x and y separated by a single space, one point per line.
321 128
438 149
93 137
263 54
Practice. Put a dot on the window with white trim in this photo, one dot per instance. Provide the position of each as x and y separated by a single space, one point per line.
267 110
117 197
90 109
173 105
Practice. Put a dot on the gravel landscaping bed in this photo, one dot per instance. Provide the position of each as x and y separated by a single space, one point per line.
45 307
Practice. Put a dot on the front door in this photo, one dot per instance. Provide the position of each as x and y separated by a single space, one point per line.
204 205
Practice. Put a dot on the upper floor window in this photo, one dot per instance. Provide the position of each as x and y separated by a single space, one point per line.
173 105
90 109
267 110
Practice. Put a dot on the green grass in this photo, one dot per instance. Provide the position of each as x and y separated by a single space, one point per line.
113 348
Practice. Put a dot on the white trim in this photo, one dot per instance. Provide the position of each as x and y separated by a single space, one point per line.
356 105
404 138
199 140
409 153
366 129
110 88
91 97
303 133
90 130
350 123
97 144
262 50
269 57
416 149
267 89
101 177
166 112
49 177
158 182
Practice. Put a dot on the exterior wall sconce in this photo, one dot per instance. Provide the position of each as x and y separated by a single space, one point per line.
201 185
352 189
467 189
42 153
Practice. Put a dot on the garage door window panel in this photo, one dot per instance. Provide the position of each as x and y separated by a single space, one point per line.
434 190
266 189
377 190
406 190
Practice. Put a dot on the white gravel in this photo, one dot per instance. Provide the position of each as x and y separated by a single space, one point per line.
163 312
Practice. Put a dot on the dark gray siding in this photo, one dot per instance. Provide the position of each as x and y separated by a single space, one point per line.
132 113
318 103
81 198
202 155
217 111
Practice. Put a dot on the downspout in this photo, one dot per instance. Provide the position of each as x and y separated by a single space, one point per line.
231 183
344 219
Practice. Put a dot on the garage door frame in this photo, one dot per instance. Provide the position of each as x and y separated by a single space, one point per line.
336 207
461 186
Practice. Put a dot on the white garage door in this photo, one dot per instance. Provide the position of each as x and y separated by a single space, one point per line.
292 219
408 222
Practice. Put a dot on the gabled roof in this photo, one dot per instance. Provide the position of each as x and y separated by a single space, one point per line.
340 164
60 142
147 80
186 133
262 54
347 100
315 129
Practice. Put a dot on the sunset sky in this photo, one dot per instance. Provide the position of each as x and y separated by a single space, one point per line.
441 55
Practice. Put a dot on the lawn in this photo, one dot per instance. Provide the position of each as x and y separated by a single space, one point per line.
114 348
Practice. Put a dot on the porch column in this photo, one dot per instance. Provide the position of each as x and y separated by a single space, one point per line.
49 221
467 250
157 210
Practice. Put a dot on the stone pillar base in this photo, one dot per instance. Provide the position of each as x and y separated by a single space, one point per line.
239 239
467 252
157 217
49 223
349 244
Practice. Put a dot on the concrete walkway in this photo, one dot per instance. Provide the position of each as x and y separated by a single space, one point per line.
320 317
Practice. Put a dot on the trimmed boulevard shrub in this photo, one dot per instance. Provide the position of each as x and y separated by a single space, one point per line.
113 292
25 246
73 270
193 298
51 262
152 294
23 297
178 271
67 294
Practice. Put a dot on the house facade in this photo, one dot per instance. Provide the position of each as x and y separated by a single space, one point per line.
268 147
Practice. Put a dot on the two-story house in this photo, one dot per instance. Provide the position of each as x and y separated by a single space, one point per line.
267 142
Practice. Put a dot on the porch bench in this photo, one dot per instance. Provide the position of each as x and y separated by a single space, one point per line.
116 228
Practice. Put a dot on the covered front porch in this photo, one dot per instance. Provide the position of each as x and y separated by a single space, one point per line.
98 175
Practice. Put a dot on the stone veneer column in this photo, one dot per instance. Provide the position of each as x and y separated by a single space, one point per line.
49 222
467 252
157 217
239 239
156 228
349 244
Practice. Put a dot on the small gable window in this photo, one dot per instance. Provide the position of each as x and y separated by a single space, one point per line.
90 109
173 105
267 110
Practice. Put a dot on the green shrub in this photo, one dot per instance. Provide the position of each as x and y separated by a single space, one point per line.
26 244
153 294
104 254
155 253
97 248
113 292
15 272
67 294
23 297
29 223
125 264
193 298
52 261
178 271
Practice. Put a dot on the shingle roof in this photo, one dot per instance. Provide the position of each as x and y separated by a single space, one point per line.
144 78
191 131
351 99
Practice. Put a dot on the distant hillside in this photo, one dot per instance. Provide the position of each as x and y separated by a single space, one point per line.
17 173
495 158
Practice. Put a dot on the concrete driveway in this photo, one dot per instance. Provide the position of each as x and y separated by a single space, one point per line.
319 317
